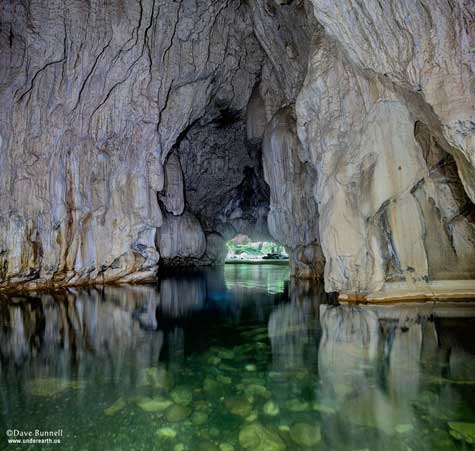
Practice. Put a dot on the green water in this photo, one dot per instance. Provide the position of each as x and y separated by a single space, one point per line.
240 359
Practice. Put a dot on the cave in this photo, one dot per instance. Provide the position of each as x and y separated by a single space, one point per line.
201 196
138 137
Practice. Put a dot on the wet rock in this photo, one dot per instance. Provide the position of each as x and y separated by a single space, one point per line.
238 406
210 385
182 396
154 404
323 408
206 445
213 360
167 433
252 417
462 431
198 418
177 413
296 405
256 390
226 354
270 408
224 379
256 437
228 368
116 407
306 435
156 378
201 405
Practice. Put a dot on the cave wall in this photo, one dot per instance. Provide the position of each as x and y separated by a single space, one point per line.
142 134
94 98
386 117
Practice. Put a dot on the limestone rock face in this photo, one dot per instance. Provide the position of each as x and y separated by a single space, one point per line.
173 196
139 134
93 99
392 191
293 215
181 238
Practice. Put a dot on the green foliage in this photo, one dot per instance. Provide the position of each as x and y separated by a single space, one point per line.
254 249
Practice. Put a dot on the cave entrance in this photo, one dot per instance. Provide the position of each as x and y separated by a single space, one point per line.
242 249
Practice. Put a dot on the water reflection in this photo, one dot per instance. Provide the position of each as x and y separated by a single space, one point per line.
249 347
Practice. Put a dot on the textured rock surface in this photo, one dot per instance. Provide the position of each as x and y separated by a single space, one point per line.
293 215
139 134
393 180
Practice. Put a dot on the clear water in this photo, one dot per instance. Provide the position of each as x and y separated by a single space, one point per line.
239 360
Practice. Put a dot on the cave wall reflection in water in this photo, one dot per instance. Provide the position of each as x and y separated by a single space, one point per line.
365 377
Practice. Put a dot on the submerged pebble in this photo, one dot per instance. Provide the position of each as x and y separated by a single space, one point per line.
176 413
323 408
304 434
404 428
213 360
256 390
199 418
238 406
256 437
224 379
116 407
156 378
270 408
210 385
182 396
295 405
166 433
205 445
226 354
153 404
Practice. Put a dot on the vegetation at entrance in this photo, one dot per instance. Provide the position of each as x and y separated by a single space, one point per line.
242 248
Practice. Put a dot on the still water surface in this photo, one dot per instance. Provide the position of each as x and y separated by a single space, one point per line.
239 360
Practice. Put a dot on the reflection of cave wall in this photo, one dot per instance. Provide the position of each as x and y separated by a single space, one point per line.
391 356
